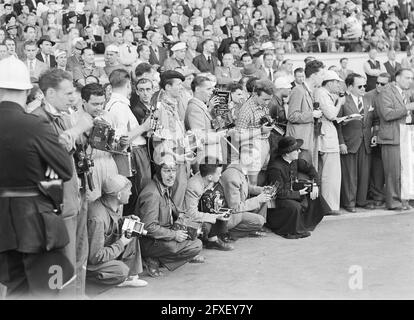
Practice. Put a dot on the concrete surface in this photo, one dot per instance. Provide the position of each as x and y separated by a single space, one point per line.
381 243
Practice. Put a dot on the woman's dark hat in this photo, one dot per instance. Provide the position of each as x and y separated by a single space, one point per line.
289 144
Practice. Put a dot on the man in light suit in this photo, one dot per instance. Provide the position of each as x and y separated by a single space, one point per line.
330 162
301 114
178 59
36 67
228 73
206 62
354 145
247 200
214 225
391 65
198 118
392 110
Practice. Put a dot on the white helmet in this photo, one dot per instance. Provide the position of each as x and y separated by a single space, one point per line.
14 74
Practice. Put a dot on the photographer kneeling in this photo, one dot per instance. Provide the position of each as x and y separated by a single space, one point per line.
299 208
114 256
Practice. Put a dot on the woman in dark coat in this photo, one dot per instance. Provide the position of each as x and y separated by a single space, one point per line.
299 208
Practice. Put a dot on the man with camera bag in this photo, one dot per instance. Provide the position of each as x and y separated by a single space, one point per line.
299 208
32 235
57 87
114 254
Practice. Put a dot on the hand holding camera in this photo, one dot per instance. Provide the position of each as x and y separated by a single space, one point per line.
181 235
304 191
264 197
314 192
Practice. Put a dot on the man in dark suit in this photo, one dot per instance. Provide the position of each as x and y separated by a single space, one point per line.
173 23
158 54
18 6
45 55
354 145
228 26
207 62
305 43
392 110
391 65
225 43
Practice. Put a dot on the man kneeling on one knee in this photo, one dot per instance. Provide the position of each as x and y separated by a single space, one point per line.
155 207
214 225
249 212
114 257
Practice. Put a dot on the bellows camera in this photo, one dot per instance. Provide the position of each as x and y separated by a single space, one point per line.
221 113
133 227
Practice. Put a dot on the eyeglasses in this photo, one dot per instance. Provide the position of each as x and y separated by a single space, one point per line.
381 84
362 86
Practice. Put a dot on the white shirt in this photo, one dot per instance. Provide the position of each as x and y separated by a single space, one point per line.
121 117
357 100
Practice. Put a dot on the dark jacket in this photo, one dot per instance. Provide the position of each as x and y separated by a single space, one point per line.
201 64
355 132
392 70
28 146
285 173
162 53
52 60
168 27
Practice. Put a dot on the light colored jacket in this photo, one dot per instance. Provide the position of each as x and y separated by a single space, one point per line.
300 117
328 140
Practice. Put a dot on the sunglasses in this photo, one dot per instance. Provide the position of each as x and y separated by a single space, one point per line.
381 84
362 86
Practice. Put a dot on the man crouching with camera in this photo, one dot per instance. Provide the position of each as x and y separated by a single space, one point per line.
157 211
114 253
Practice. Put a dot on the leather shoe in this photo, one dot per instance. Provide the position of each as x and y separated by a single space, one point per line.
219 245
298 235
350 209
378 204
227 238
369 206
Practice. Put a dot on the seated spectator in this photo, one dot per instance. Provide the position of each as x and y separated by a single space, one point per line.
163 245
88 68
298 211
228 73
114 257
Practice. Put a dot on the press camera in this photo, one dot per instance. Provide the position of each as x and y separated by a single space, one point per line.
300 184
102 136
133 228
272 190
192 228
221 113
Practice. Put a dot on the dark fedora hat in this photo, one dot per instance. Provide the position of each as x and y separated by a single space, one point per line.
288 144
43 39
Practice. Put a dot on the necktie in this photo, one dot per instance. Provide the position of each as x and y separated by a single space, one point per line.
209 60
31 66
360 107
47 60
129 48
270 75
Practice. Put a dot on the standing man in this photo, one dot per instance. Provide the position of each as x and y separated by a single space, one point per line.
112 59
25 138
302 114
299 75
393 107
88 68
344 71
75 60
206 62
376 184
372 68
125 124
354 145
57 87
267 66
128 54
330 162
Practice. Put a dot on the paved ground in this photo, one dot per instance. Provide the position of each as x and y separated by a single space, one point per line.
381 243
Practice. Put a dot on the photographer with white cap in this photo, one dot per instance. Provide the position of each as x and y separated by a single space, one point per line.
329 162
114 255
32 235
